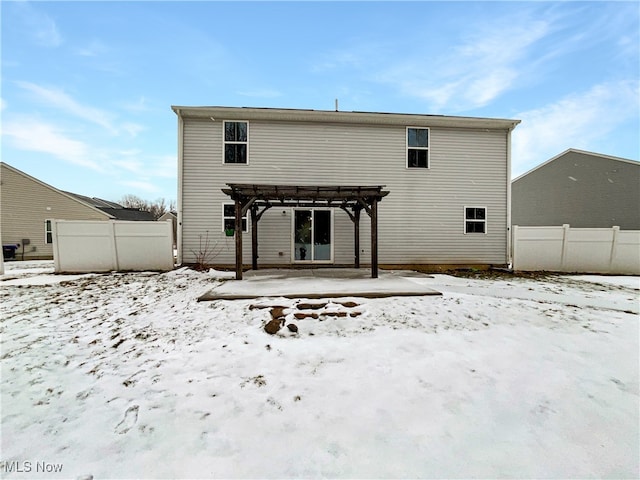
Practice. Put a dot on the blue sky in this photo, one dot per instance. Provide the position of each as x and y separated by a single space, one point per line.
87 86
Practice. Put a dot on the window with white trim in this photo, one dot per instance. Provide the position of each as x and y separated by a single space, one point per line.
417 147
229 218
236 142
475 220
48 232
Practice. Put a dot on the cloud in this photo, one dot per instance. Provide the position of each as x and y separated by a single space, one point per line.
128 160
166 166
141 185
138 106
575 121
473 73
40 27
59 99
36 136
141 165
133 129
93 49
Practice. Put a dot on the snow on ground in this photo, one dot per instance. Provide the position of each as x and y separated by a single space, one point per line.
125 375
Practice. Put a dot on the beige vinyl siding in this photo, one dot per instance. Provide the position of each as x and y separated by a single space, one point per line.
421 221
26 203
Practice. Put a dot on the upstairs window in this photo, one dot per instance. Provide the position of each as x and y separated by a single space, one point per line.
475 220
229 217
417 147
236 136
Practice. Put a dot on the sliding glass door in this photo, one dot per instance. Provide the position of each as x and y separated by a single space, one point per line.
312 236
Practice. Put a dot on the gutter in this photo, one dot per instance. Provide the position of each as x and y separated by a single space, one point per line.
331 116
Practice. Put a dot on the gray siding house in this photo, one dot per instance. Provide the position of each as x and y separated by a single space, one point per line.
448 180
582 189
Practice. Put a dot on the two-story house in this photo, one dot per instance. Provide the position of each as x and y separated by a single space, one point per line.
445 184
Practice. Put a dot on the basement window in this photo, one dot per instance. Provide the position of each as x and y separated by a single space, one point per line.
236 142
229 218
417 147
475 220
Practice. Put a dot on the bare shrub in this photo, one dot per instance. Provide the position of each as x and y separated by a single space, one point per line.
206 252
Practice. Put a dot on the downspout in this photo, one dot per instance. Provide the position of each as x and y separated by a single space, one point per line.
509 229
180 179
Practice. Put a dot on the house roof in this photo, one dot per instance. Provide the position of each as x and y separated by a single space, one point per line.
61 192
95 201
575 150
114 209
167 215
111 210
124 213
376 118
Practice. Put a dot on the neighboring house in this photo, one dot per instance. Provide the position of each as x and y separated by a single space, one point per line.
27 208
173 216
447 178
116 210
582 189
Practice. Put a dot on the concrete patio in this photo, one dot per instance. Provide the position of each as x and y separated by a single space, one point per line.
320 283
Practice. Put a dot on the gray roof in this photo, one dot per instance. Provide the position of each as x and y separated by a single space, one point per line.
95 201
128 214
300 115
114 209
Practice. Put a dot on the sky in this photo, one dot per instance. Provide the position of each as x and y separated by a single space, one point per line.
87 87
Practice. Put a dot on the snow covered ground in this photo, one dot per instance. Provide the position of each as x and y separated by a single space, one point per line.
127 376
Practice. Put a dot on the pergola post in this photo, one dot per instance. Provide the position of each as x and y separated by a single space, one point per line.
254 236
238 232
374 238
356 236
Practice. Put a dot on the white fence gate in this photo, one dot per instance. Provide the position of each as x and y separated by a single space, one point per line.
580 250
104 246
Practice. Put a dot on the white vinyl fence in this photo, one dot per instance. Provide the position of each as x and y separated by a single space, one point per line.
579 250
104 246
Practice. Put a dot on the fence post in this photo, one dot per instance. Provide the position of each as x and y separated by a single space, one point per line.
614 246
114 248
565 244
514 247
56 250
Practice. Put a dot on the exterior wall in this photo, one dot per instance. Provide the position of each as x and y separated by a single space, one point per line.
26 203
581 189
421 221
